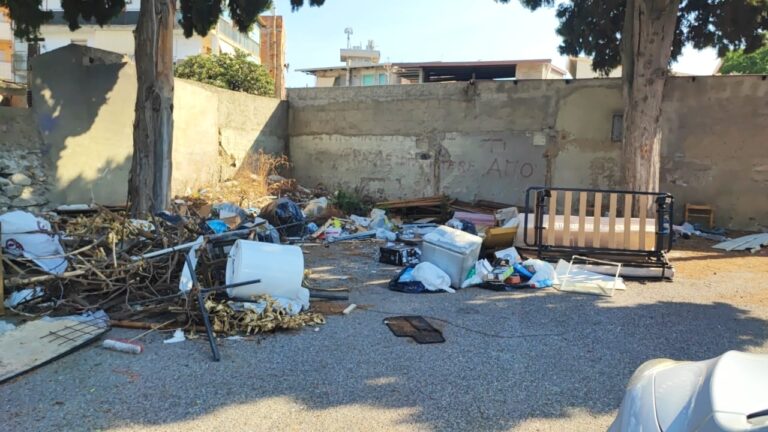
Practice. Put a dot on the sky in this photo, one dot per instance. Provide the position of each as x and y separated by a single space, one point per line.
431 30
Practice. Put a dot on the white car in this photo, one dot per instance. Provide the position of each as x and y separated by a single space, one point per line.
726 393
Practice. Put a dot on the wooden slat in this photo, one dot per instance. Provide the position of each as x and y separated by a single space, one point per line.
643 202
627 221
597 218
613 198
567 218
552 209
582 217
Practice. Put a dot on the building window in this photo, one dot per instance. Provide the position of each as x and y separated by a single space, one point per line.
383 79
368 79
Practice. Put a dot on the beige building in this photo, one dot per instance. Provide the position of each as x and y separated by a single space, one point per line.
581 67
415 73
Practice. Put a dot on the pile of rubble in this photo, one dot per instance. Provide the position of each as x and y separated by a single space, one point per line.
22 180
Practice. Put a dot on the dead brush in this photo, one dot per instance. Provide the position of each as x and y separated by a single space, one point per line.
258 170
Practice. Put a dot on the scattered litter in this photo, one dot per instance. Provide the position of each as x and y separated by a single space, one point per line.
399 254
415 327
574 278
453 251
36 343
349 309
23 296
178 336
24 234
544 275
433 278
752 242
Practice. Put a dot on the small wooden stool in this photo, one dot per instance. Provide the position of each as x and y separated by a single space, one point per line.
700 211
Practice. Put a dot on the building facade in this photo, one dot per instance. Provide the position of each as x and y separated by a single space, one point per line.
118 37
363 69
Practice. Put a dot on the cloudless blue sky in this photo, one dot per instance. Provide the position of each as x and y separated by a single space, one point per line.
430 30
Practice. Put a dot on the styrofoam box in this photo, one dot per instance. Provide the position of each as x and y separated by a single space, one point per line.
453 251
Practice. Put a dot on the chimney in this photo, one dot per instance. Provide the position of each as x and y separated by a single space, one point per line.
272 51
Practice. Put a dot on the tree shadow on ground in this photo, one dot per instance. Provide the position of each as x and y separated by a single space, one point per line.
553 353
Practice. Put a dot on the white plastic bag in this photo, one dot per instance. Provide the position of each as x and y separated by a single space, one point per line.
26 235
432 277
544 275
316 207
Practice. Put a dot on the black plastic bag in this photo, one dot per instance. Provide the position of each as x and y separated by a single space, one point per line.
283 212
410 287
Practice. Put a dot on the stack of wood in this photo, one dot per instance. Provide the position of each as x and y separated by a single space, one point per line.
436 207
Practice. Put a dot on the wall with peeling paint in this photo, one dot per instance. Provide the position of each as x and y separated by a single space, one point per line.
716 147
489 140
83 106
493 139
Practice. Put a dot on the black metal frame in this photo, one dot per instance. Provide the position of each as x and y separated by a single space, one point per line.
655 258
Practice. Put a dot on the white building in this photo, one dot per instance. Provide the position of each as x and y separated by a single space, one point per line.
117 37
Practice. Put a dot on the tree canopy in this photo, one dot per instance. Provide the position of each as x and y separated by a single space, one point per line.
233 72
594 28
197 16
737 62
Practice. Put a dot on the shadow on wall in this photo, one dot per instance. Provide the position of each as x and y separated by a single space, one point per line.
563 353
270 140
73 87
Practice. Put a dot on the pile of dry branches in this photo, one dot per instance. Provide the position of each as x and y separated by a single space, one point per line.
108 269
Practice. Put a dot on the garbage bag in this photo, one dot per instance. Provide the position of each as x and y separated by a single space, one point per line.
404 282
544 275
316 207
24 234
433 278
284 212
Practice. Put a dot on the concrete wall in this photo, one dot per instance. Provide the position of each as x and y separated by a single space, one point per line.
492 140
83 102
716 146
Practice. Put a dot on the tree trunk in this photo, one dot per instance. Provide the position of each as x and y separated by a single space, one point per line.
150 179
649 28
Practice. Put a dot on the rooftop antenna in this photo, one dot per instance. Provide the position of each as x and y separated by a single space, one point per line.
348 32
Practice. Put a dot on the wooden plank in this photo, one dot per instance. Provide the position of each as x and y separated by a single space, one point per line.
597 219
582 217
627 221
612 204
643 202
567 218
552 209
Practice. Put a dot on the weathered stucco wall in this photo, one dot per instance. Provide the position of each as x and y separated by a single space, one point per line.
716 147
83 102
492 140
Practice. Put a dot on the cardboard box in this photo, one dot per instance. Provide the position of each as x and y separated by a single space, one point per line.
499 237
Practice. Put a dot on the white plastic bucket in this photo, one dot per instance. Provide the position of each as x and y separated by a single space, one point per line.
280 268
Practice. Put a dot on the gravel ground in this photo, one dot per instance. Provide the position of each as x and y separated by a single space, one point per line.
512 361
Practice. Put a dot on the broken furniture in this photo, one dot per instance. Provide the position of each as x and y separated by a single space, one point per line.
704 211
638 232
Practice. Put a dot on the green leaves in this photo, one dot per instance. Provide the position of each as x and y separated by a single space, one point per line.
737 62
27 16
233 72
594 28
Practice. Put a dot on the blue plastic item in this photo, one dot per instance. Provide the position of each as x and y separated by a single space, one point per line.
522 271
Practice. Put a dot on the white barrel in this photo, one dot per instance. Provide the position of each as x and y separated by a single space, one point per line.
280 268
